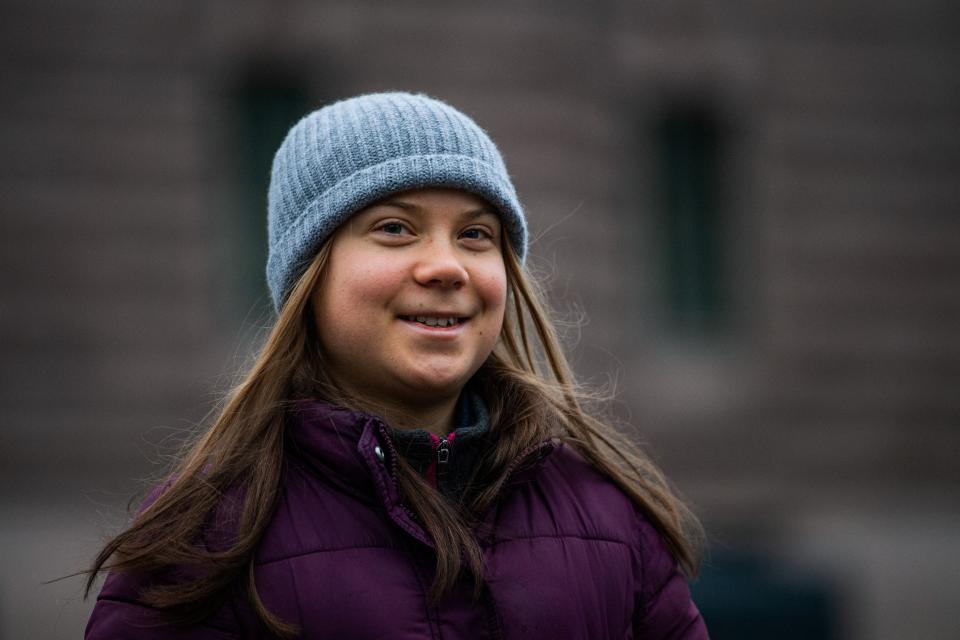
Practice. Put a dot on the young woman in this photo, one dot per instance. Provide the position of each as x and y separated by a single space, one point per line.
409 457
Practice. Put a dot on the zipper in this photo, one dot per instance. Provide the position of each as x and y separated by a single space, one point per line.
443 459
443 452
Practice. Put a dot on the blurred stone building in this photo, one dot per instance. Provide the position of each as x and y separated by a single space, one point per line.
751 206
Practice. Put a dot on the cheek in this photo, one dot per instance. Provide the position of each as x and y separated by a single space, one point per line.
493 289
345 308
357 301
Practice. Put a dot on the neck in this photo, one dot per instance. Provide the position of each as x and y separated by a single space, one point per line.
436 416
436 419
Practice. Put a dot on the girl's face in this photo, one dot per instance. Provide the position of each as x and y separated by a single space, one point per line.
413 297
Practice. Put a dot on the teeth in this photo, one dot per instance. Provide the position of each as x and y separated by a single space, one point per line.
434 322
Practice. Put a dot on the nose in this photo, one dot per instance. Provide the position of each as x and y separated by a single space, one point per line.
440 266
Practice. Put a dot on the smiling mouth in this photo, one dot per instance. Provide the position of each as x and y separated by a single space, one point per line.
437 322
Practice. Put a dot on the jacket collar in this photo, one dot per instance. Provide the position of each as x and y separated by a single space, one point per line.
466 444
352 450
327 436
356 452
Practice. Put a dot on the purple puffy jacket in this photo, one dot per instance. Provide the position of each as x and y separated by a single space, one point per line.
569 557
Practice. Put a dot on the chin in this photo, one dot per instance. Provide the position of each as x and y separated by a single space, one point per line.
438 383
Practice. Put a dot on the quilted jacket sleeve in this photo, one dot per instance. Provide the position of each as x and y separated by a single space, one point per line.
664 609
118 615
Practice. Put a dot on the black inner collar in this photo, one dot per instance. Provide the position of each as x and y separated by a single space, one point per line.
471 440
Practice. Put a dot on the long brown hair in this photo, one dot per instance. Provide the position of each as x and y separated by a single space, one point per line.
531 396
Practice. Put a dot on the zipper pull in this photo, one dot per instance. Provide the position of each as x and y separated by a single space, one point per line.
443 451
437 472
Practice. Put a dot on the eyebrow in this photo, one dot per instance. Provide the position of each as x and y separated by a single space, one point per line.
410 206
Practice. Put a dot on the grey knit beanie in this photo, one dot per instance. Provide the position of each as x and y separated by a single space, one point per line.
349 154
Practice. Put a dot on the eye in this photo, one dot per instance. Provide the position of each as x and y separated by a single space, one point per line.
477 233
392 228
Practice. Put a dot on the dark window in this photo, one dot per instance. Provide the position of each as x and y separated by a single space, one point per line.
266 102
689 144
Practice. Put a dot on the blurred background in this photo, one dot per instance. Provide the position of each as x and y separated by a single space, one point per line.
753 204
